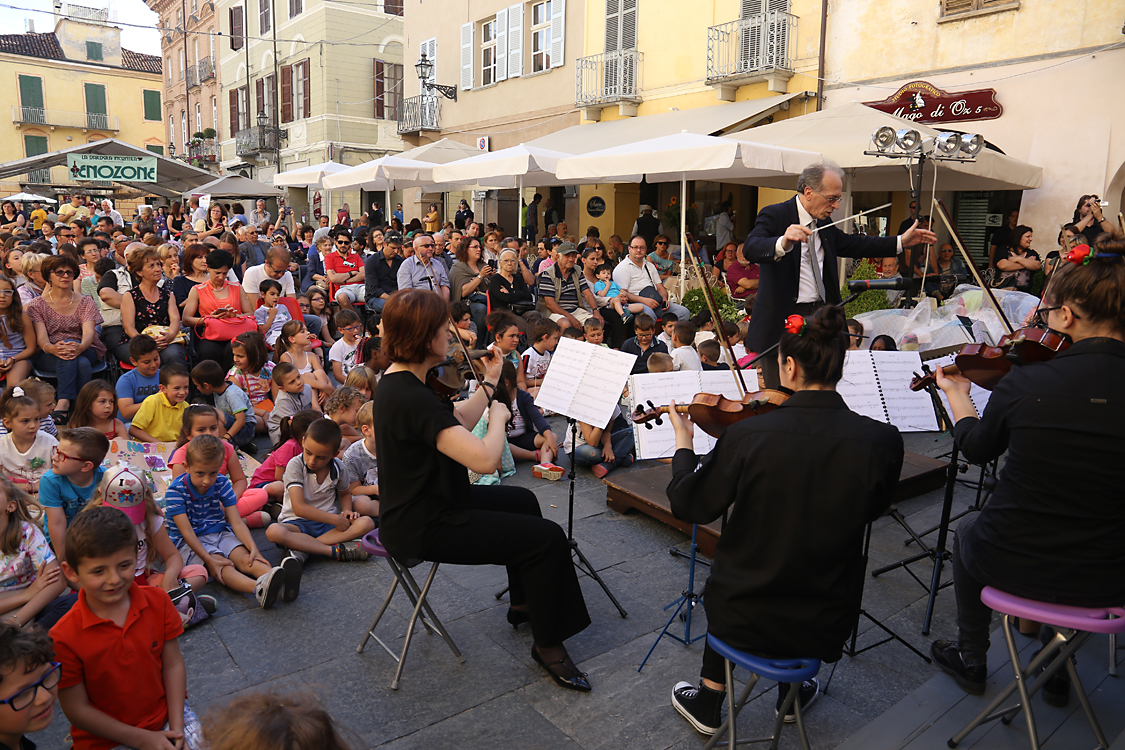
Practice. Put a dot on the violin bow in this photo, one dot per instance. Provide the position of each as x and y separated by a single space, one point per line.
720 334
944 214
449 314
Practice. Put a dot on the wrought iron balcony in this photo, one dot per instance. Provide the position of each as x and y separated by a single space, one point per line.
37 177
192 77
418 113
755 48
206 68
608 78
57 118
206 150
255 140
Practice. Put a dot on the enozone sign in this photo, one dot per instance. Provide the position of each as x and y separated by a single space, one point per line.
115 168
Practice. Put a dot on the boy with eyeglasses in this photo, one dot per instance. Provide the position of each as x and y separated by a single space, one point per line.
29 681
344 269
344 352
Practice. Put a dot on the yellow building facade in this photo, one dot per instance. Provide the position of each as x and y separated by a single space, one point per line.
75 85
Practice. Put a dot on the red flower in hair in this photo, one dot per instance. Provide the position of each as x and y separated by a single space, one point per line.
795 324
1080 255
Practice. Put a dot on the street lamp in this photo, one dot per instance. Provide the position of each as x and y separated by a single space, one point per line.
425 68
269 137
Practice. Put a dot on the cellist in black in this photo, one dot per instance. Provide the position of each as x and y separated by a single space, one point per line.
801 482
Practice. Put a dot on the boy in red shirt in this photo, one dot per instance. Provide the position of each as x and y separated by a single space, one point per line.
123 678
345 272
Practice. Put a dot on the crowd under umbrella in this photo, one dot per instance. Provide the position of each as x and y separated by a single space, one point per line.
310 177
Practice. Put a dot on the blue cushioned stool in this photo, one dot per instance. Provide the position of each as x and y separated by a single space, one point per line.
417 596
792 672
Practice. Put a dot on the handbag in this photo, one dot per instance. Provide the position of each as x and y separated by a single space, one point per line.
227 329
155 330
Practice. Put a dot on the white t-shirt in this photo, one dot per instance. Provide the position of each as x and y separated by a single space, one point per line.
143 543
255 275
345 354
29 466
262 314
685 358
568 444
535 364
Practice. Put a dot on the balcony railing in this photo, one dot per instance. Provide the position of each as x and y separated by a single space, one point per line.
753 46
207 151
192 77
419 113
206 68
608 78
85 13
254 140
57 118
38 177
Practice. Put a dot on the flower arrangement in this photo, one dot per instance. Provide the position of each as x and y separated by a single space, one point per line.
671 216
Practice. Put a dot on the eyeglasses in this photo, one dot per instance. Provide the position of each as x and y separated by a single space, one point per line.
63 272
351 328
26 697
6 293
834 199
427 244
62 456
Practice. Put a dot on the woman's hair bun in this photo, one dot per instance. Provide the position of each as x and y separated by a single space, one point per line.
1109 243
826 324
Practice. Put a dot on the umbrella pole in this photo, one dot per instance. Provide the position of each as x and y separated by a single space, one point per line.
683 237
519 207
387 207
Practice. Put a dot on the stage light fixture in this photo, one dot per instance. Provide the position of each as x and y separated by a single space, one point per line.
947 144
884 138
908 140
972 143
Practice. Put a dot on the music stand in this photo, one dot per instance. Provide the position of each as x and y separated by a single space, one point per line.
689 597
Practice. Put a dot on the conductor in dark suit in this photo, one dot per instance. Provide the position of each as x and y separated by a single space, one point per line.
798 268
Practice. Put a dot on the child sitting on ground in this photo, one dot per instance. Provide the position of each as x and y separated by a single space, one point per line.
463 323
262 721
660 361
594 332
25 450
142 381
251 372
96 406
75 472
668 323
160 417
271 316
268 476
570 332
231 401
343 408
709 355
317 515
207 529
293 348
373 357
43 394
505 332
139 702
344 354
644 344
536 358
204 419
529 437
684 356
363 469
32 588
27 662
704 326
124 489
363 380
293 395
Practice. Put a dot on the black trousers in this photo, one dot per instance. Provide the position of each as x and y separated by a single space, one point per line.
505 527
220 351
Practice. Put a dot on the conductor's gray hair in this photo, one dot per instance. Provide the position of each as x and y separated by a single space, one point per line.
812 176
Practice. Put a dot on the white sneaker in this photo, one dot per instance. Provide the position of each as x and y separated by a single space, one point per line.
269 586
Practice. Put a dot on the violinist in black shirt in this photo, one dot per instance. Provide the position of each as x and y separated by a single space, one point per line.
428 509
801 483
1054 527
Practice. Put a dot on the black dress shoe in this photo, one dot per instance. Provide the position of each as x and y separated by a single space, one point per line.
948 657
517 617
573 680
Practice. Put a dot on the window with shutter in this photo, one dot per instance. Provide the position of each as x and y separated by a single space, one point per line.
502 44
488 52
237 28
155 149
35 145
388 89
304 95
243 107
264 8
94 51
975 7
377 76
296 7
392 7
287 93
96 112
558 31
540 36
31 100
515 41
234 121
152 105
259 98
466 56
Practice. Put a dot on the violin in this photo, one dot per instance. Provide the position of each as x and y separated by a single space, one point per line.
448 378
714 413
985 365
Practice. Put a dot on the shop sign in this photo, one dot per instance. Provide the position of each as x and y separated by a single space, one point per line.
923 102
317 205
106 167
595 207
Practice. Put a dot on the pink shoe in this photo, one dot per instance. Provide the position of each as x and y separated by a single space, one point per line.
600 470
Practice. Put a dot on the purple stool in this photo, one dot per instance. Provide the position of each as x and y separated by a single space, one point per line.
1073 627
417 597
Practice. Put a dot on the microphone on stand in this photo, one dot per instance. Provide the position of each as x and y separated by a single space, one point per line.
871 284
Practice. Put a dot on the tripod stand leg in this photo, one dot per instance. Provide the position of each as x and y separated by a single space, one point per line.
584 565
940 553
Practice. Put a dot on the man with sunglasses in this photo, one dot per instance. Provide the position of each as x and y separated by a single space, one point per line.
344 269
254 249
420 272
797 259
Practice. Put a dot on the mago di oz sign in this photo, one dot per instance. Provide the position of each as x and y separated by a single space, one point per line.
116 168
923 102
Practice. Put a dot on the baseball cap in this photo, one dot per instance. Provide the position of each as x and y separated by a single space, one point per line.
125 490
566 248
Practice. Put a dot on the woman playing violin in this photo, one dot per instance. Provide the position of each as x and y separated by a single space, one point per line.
430 512
1053 528
801 482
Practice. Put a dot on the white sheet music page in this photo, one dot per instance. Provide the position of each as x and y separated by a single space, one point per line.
979 396
860 387
584 381
907 410
724 382
661 388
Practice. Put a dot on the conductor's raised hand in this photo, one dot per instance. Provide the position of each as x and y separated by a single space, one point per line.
795 234
914 235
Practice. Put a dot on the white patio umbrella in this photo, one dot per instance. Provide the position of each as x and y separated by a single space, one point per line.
308 177
30 197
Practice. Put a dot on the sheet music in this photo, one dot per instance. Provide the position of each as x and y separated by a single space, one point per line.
584 381
979 396
877 385
661 388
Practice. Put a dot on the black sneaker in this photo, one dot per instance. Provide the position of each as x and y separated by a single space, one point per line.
292 567
948 657
348 552
273 509
701 706
806 694
250 448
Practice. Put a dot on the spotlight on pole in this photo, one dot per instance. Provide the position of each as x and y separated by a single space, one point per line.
947 144
971 144
884 138
908 140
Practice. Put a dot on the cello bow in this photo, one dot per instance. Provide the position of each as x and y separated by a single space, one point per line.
720 334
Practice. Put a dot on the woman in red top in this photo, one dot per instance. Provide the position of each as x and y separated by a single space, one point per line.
217 298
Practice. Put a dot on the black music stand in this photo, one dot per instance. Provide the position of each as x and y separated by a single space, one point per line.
688 598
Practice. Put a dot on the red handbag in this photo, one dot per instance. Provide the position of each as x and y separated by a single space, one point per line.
227 329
